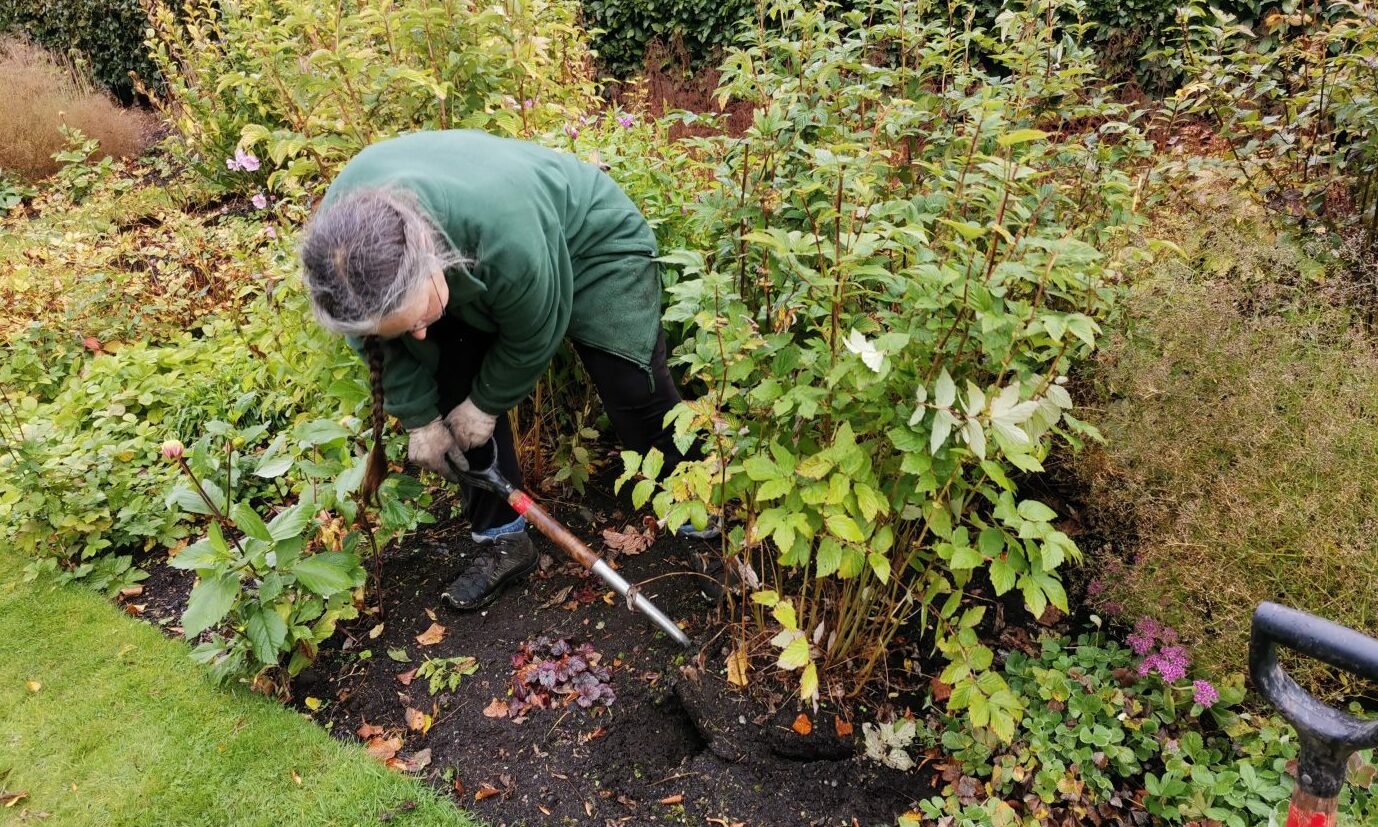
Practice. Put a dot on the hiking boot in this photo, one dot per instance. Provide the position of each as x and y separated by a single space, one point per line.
507 558
711 531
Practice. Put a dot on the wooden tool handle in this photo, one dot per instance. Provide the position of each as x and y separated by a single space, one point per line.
550 527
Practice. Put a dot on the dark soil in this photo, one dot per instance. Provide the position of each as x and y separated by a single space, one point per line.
678 746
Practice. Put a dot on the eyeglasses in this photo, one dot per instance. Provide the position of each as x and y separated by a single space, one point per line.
439 301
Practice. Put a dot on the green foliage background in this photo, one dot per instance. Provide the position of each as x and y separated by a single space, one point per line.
623 29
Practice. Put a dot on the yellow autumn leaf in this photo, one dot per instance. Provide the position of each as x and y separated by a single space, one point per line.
737 668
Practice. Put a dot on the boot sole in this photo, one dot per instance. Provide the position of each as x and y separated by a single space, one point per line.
494 594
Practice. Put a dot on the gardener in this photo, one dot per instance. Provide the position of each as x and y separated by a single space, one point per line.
457 262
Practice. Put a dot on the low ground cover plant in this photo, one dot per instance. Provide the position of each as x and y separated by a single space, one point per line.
1106 724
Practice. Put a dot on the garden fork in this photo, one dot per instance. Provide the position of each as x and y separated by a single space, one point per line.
1327 736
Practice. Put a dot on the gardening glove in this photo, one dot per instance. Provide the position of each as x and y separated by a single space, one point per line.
430 445
470 426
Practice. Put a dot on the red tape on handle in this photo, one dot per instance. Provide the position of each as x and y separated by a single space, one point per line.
520 502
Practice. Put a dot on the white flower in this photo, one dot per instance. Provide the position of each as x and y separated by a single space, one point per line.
858 344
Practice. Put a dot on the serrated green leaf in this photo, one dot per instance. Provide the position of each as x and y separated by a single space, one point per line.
844 528
327 572
795 655
266 632
247 520
211 599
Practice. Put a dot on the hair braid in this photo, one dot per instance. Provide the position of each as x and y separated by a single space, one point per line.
377 469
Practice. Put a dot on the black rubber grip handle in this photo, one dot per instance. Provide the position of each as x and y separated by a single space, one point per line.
1328 736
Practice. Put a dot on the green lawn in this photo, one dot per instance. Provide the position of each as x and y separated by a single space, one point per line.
125 729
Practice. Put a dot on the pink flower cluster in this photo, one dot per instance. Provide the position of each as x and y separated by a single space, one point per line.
1170 660
241 162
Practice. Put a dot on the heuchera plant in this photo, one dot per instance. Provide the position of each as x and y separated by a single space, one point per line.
550 673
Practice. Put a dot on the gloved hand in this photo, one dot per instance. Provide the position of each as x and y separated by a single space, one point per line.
429 445
469 425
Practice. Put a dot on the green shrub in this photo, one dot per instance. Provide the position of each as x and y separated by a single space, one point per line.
308 85
696 29
1301 119
895 281
109 34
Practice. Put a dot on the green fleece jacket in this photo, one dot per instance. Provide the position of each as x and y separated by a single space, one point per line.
557 250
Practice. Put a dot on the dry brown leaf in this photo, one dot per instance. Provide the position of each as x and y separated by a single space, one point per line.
383 748
296 776
941 691
132 591
497 708
844 728
11 799
486 791
431 636
585 737
802 724
367 730
376 631
406 677
431 614
737 667
135 608
417 721
677 798
34 686
630 540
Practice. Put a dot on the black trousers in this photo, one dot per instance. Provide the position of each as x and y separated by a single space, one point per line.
635 407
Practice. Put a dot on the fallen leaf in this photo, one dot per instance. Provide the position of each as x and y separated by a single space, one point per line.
405 678
135 608
486 791
629 540
431 614
736 668
132 591
941 691
844 728
11 799
383 748
560 597
431 636
312 704
368 730
802 724
296 776
585 737
399 655
419 760
92 344
496 709
34 686
677 798
459 787
376 631
417 721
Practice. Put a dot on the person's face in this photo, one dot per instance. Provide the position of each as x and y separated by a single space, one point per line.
421 310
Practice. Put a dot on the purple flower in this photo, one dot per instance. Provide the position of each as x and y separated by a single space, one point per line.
1205 695
260 201
1112 608
625 120
1147 626
1141 644
242 162
528 103
1172 663
1148 665
571 131
1096 587
271 232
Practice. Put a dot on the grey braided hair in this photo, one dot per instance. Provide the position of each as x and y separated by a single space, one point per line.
365 253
